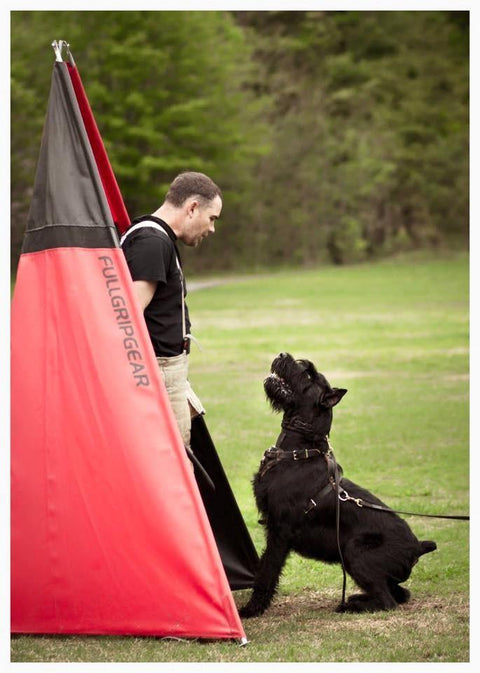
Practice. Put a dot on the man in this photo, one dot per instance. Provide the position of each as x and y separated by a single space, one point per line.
192 205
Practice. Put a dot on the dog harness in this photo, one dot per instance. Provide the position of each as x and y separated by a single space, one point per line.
275 455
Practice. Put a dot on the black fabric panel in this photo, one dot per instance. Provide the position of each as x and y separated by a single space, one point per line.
69 206
237 551
67 235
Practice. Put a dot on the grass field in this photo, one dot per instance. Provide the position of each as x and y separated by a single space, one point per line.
396 334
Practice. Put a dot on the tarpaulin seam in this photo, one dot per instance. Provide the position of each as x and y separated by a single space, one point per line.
92 225
52 518
67 248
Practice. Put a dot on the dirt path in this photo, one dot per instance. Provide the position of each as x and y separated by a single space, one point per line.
204 284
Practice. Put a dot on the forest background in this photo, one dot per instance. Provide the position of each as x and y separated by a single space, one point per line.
336 136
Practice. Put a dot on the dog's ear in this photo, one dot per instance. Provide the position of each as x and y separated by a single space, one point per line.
330 399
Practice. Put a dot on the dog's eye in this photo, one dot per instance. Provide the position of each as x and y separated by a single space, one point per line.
309 371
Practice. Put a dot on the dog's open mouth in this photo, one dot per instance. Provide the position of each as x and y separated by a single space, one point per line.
275 381
276 377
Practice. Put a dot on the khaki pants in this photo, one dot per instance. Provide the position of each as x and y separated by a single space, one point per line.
185 404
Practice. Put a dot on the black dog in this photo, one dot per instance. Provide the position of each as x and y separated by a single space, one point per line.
296 490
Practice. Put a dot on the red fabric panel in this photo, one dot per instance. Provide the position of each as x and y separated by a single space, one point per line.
108 530
110 185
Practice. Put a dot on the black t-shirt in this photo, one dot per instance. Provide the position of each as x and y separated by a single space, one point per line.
152 255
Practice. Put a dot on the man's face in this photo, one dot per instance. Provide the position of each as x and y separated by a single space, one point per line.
200 221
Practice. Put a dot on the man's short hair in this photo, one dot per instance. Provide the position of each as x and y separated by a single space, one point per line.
189 184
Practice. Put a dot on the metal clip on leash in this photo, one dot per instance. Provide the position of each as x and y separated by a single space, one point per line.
344 497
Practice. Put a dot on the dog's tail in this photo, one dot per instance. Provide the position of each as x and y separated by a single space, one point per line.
426 546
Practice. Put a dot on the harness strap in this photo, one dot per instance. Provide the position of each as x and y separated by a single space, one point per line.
313 503
140 225
273 456
155 225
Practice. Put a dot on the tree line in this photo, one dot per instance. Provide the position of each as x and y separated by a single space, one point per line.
336 136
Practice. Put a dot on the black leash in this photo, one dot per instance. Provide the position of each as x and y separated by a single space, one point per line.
200 467
335 478
336 485
344 497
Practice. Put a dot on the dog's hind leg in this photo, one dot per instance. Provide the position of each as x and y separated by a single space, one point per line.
267 577
400 595
378 599
369 575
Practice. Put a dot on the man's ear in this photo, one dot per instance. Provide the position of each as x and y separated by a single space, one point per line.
333 397
191 206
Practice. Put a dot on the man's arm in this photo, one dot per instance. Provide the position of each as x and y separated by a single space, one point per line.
145 289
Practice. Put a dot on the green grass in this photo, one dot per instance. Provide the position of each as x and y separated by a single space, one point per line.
396 335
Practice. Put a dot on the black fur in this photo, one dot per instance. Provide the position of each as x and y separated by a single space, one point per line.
378 548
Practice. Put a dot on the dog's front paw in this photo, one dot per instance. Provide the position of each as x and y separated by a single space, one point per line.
250 610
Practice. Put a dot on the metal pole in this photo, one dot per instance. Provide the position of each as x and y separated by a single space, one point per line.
58 47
